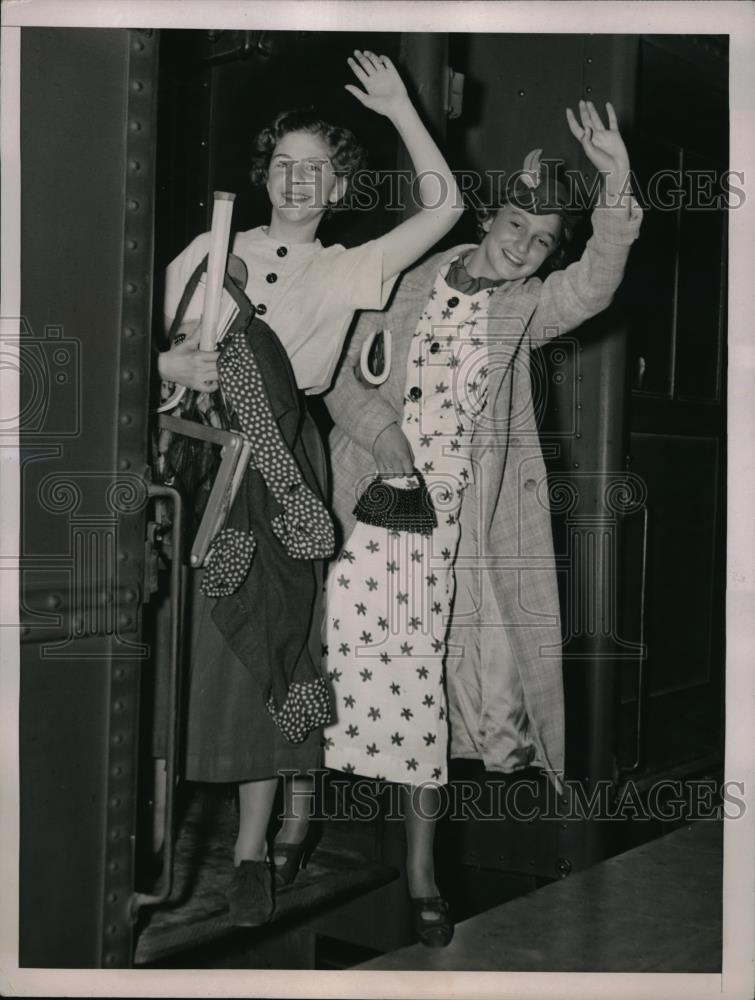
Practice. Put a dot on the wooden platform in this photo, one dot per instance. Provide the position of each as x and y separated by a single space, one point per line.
657 908
196 915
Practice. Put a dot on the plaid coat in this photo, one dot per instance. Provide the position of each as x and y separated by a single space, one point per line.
510 492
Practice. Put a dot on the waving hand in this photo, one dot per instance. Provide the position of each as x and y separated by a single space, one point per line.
603 146
384 89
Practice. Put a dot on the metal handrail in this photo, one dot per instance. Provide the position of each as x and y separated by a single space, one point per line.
165 883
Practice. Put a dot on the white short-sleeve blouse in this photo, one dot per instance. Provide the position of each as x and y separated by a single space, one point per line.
308 294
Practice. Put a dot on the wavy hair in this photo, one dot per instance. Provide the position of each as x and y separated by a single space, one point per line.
347 156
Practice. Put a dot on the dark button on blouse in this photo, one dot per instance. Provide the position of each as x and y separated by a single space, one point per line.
453 301
282 251
293 487
271 278
434 347
415 392
261 309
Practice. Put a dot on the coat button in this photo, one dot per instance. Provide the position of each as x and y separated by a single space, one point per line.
434 347
415 393
261 309
453 301
530 484
282 251
294 487
271 278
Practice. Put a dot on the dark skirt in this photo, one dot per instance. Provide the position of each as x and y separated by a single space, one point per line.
230 734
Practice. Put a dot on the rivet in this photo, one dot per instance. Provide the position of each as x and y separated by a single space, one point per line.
137 85
53 601
115 801
123 557
520 93
130 596
133 204
129 332
112 929
117 739
130 287
577 435
138 46
579 378
128 375
117 707
135 126
201 204
112 897
125 418
588 90
135 165
203 142
576 465
132 244
124 464
119 673
109 959
113 866
124 619
589 60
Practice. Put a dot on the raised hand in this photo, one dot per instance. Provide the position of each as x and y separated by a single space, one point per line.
603 146
384 91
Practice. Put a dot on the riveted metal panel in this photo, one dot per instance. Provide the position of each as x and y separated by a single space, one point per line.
88 111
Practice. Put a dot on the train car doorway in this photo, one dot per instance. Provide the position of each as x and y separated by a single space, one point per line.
143 126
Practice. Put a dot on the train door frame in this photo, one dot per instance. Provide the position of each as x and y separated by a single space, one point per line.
86 245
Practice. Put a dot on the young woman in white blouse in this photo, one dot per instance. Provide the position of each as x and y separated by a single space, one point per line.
307 294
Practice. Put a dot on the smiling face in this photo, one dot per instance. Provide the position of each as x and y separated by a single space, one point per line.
301 182
516 243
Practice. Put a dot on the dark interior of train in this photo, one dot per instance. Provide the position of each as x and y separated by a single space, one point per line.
632 410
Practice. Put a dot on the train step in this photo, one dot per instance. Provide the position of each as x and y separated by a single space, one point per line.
196 914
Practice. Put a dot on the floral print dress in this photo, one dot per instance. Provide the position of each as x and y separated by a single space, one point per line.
390 593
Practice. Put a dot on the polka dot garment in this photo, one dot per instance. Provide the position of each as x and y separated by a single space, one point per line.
228 562
304 527
306 707
390 593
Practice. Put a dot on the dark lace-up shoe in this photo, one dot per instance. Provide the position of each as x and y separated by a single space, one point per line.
250 898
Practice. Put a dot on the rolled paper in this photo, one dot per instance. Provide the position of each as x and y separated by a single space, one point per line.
220 232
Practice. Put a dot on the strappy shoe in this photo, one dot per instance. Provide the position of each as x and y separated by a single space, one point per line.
250 897
296 855
435 932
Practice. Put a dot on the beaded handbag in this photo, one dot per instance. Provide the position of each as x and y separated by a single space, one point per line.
386 506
